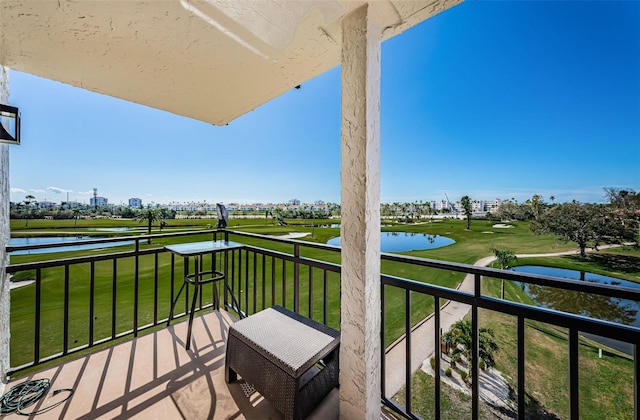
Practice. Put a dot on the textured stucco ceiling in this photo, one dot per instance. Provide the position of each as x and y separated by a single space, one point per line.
212 60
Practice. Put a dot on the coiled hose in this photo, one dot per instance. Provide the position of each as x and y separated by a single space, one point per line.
24 394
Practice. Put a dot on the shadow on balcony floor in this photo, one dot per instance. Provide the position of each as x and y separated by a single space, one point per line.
154 377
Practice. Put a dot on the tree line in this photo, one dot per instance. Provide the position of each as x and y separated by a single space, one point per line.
29 209
589 225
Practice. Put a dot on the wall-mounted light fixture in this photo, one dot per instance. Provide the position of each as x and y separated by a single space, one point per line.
9 124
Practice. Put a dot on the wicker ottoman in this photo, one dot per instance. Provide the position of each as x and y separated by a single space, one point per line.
289 359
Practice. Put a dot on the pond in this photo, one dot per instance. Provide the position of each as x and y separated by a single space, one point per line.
37 240
622 311
337 226
116 229
406 241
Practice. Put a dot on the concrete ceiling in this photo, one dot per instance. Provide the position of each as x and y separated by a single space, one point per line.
211 60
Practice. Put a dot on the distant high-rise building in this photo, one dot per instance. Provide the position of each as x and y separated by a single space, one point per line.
135 203
46 205
98 201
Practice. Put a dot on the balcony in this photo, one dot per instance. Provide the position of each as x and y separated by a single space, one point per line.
153 376
97 324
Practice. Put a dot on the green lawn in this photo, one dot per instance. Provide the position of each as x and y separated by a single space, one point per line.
606 385
454 405
546 346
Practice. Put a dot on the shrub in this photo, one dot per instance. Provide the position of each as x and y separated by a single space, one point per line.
453 363
482 365
448 372
432 362
463 375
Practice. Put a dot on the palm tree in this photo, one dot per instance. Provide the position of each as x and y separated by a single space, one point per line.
150 215
76 213
505 259
460 335
467 208
28 201
19 208
280 216
313 224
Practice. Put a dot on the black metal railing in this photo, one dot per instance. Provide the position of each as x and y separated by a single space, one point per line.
81 302
575 324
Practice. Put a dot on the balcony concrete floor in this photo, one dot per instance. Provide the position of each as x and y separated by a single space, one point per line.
154 377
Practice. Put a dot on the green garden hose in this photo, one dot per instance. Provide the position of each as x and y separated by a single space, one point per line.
24 394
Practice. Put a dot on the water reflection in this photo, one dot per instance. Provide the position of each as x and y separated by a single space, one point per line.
622 311
406 241
37 240
116 229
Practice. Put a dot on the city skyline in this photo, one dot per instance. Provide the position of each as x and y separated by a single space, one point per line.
488 99
290 202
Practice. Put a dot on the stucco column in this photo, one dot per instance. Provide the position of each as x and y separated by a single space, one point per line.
4 240
360 178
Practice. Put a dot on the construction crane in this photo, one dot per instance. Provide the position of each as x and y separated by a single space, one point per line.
449 205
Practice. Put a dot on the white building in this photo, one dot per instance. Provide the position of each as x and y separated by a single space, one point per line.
47 205
98 201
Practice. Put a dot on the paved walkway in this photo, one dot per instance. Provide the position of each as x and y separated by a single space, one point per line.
422 337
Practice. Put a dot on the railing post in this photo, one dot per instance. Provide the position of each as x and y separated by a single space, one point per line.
574 397
383 358
521 366
38 314
92 284
636 382
136 270
246 279
310 295
172 279
296 278
325 306
155 289
273 281
65 338
407 341
438 355
264 279
284 283
475 344
255 285
198 269
114 291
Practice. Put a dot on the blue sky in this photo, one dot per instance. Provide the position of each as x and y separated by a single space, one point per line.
488 99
